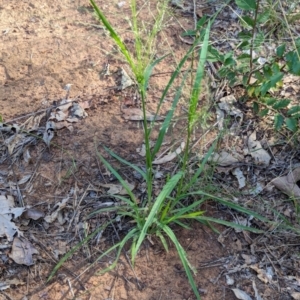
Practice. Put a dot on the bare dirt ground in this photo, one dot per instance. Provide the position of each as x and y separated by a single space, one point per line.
45 47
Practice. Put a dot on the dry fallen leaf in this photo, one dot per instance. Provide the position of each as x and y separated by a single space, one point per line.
58 207
7 283
260 155
229 280
240 177
288 184
13 141
24 179
117 188
296 296
227 103
33 122
224 159
262 274
170 156
142 150
32 213
241 294
126 81
58 115
7 213
22 251
49 132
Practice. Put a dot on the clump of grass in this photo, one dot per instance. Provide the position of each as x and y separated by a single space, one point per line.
157 214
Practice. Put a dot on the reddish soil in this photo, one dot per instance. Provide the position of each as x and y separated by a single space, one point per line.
46 45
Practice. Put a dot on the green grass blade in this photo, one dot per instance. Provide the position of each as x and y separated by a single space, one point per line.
178 212
131 234
231 205
120 179
191 215
199 76
114 35
167 189
229 224
175 75
165 211
124 199
74 249
149 69
125 162
167 120
182 224
195 177
183 209
163 240
183 257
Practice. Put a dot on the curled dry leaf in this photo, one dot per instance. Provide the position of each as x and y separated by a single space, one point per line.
24 179
288 184
260 155
7 283
58 207
58 115
126 81
241 294
76 113
32 213
65 104
240 177
13 141
141 151
229 280
224 159
22 251
61 249
220 118
295 295
248 258
33 123
9 128
227 103
117 188
49 132
7 213
27 157
262 274
170 156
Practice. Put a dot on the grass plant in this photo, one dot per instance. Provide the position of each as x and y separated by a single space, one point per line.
158 214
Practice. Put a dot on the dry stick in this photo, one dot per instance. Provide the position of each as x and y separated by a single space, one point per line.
77 206
289 29
71 288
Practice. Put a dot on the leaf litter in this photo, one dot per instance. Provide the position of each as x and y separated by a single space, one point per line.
248 175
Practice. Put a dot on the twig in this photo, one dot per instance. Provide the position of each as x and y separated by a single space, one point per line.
71 288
